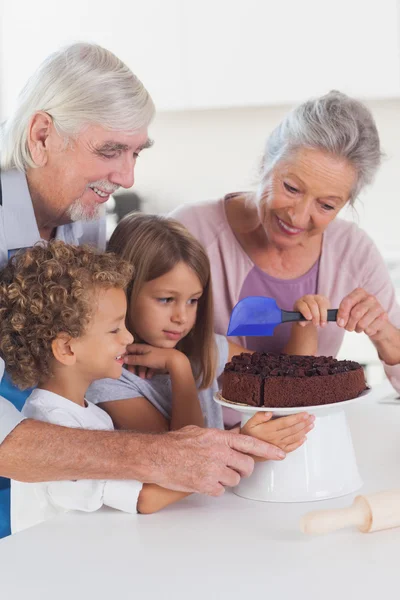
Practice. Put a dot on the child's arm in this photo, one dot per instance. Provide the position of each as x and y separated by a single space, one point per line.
135 414
127 496
287 433
186 409
303 340
89 495
153 498
234 349
304 335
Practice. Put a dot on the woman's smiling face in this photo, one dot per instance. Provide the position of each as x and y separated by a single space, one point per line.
304 194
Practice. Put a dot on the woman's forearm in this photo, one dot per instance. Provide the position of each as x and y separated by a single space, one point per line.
388 345
186 409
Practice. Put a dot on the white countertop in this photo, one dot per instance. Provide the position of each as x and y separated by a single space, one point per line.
225 547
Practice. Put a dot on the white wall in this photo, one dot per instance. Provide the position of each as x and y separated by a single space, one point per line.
194 54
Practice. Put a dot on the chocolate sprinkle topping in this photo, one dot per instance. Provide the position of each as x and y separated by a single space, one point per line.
268 364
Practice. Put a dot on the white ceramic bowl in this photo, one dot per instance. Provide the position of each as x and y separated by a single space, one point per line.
323 467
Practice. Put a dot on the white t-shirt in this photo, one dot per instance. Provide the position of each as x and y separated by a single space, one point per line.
32 503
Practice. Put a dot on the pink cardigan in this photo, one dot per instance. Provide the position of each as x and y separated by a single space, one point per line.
349 259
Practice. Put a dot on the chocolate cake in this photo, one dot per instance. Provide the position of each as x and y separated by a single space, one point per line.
283 380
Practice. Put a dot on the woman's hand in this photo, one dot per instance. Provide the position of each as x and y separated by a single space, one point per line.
287 433
361 312
314 308
160 359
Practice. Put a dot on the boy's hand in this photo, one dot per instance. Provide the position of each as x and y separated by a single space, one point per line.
287 433
314 308
161 359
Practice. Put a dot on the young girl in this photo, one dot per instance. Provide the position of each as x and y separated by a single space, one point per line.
170 316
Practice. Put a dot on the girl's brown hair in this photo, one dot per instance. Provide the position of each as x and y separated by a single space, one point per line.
154 245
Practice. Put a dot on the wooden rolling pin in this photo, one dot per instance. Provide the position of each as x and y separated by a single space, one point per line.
369 513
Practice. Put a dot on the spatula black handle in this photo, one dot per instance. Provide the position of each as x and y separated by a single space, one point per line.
290 315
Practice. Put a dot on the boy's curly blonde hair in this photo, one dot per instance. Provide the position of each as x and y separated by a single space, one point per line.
49 289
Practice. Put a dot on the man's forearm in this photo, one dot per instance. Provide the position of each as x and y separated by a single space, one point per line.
192 459
37 451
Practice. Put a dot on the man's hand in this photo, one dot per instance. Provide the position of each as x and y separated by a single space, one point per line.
193 459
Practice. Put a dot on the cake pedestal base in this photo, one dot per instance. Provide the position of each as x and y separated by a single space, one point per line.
323 467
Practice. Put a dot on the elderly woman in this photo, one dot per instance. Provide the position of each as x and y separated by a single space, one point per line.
286 240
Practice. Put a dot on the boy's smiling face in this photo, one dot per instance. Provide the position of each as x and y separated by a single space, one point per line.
100 351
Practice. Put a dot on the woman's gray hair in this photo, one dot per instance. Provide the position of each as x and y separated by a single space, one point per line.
79 85
334 123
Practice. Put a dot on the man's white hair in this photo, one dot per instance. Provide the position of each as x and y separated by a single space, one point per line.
79 85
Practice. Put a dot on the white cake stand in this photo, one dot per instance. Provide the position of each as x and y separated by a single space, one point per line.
323 467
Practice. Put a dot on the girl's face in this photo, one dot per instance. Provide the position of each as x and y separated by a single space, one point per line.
166 308
306 193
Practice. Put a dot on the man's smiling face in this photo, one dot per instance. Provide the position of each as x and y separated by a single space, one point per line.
79 175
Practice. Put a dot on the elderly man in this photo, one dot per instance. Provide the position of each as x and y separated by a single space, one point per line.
73 139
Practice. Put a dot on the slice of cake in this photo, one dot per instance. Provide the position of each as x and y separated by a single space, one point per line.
283 380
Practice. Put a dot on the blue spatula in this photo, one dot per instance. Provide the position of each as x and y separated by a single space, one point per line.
258 315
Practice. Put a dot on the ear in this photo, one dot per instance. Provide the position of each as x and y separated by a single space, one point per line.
63 351
40 128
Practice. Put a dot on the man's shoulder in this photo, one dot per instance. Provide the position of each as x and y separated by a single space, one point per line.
91 233
94 233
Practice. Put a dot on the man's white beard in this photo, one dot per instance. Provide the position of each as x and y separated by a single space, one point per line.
78 211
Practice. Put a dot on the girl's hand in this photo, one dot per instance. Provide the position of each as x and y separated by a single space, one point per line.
361 312
314 308
287 433
144 355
